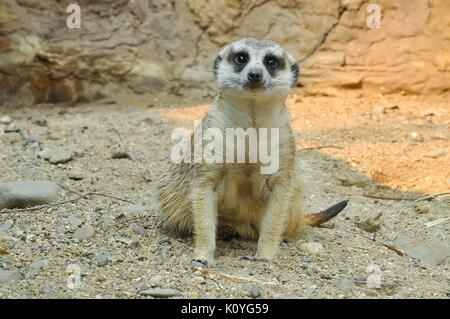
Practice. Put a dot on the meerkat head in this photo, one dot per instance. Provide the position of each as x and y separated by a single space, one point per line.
255 66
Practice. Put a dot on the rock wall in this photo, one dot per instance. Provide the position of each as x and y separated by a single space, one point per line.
167 47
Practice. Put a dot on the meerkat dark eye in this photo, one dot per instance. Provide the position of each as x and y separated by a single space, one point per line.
271 62
240 58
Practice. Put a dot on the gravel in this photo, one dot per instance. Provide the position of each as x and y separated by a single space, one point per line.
159 261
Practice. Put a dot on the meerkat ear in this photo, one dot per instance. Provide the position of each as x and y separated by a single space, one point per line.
294 71
216 65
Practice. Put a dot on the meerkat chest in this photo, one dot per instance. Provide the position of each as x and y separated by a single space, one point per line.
242 182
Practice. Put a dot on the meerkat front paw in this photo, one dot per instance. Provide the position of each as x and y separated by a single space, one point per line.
202 263
199 264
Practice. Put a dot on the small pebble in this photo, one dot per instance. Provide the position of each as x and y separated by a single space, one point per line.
130 210
36 267
60 156
7 276
85 232
102 260
344 283
48 288
5 120
159 292
254 291
312 248
75 175
74 220
246 272
7 224
139 230
155 281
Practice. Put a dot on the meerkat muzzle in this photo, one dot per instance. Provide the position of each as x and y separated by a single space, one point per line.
325 215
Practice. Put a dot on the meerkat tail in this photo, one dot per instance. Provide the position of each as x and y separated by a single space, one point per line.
325 215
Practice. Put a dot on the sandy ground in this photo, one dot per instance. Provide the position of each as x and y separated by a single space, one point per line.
392 146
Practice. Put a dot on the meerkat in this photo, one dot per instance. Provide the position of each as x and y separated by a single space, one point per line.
254 78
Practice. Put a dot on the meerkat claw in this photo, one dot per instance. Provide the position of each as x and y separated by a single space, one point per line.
254 259
199 263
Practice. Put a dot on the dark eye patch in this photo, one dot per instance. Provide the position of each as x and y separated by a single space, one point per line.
239 60
273 63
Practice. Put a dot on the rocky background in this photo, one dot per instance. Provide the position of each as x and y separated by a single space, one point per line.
167 47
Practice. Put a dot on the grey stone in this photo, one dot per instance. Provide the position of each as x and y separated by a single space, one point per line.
200 280
48 288
431 251
345 283
27 193
160 292
254 291
102 260
7 276
312 248
74 220
134 209
60 156
7 224
142 285
155 281
360 278
85 232
246 272
5 120
36 266
151 119
76 175
139 230
44 154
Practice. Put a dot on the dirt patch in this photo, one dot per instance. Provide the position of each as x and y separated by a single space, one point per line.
124 253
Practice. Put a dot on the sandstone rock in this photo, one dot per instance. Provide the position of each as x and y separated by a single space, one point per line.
161 45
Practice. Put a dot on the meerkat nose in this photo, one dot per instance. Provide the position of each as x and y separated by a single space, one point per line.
254 76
